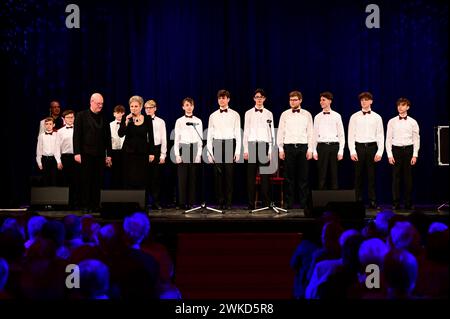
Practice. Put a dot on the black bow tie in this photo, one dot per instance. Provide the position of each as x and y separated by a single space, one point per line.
118 123
67 127
296 110
225 110
48 133
402 118
326 113
188 116
364 113
258 110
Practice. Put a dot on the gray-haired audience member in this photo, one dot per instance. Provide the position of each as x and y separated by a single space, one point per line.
382 222
34 225
400 271
405 236
136 227
94 279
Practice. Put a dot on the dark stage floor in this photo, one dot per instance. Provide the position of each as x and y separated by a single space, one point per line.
235 220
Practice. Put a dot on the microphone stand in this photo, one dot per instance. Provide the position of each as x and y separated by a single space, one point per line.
203 205
272 205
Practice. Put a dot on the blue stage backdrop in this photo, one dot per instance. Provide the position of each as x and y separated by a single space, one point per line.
167 50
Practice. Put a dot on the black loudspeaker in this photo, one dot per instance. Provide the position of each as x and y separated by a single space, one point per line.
116 204
49 197
341 202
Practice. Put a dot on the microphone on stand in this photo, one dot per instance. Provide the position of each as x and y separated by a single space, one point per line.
191 124
269 121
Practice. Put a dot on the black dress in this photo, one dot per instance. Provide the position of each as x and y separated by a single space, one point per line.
137 147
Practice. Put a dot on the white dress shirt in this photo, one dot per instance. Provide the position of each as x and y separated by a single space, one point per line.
47 145
256 127
402 132
65 139
329 128
365 129
224 126
116 140
295 128
186 134
159 135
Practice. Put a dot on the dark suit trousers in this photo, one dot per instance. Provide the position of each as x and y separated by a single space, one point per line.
327 165
257 157
223 170
296 174
71 178
49 171
402 170
366 153
91 180
187 174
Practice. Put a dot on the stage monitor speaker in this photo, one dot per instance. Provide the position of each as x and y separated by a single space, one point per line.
120 203
49 197
341 202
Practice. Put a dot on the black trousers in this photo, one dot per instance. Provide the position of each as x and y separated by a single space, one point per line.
154 173
223 151
365 164
117 169
71 178
257 157
49 171
327 165
91 180
402 170
187 174
296 174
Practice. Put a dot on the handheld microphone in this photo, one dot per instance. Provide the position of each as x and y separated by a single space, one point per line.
191 124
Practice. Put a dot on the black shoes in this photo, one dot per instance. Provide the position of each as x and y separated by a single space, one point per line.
250 207
395 206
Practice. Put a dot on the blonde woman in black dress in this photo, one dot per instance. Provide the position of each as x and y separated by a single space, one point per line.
138 147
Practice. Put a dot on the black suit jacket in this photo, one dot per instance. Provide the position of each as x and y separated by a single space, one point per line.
91 136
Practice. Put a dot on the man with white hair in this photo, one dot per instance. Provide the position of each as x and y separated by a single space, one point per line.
92 149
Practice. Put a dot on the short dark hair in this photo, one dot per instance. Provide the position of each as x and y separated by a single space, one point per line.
365 95
119 109
327 95
403 100
189 100
260 91
67 112
223 93
49 119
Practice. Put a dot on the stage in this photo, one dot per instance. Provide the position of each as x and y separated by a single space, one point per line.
238 219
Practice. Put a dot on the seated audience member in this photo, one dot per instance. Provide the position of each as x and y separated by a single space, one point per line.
72 226
94 279
332 278
13 224
382 223
35 225
331 232
437 275
4 271
137 272
400 270
302 258
55 232
372 251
